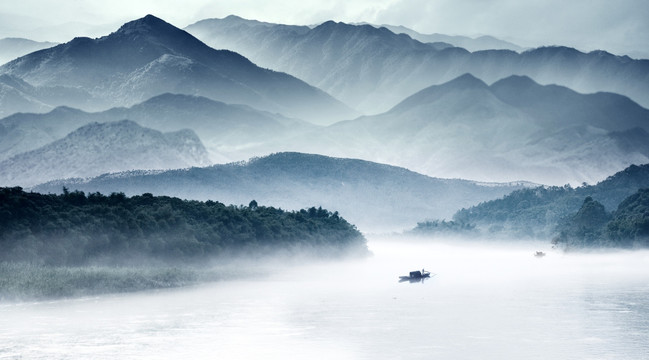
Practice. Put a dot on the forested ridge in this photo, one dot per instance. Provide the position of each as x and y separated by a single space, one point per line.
76 229
592 225
612 213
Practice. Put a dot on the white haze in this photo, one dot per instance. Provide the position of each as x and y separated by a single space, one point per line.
620 27
486 301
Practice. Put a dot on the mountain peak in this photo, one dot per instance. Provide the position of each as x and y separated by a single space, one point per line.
518 81
465 81
146 26
432 93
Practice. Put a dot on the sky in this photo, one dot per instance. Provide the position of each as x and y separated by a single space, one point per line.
620 26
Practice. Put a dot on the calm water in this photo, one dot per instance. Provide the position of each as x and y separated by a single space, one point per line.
486 302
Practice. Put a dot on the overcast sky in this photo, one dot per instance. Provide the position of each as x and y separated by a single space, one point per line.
618 26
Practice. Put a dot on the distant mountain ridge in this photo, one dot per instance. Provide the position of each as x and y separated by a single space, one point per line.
374 69
484 42
514 129
11 48
109 147
148 57
229 132
373 196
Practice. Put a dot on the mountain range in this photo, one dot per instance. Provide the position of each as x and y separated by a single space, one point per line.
148 57
372 196
372 69
229 132
484 42
96 148
514 129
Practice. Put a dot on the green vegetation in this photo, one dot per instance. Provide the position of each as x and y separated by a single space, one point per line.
627 227
549 212
75 229
76 244
24 280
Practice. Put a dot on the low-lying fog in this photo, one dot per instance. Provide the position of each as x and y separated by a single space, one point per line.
486 301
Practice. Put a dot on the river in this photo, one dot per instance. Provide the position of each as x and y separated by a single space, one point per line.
485 301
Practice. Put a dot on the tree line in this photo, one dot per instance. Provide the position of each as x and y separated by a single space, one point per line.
73 228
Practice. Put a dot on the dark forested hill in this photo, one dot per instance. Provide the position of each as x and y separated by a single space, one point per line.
538 212
593 226
78 229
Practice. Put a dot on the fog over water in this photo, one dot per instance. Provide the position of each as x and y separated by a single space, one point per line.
488 301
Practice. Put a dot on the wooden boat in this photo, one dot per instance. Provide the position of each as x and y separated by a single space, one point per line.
415 276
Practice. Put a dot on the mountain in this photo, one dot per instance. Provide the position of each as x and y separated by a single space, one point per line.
229 132
148 57
514 129
98 148
24 132
484 42
11 48
372 69
543 211
16 95
373 196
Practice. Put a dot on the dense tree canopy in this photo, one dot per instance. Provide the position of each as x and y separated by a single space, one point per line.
75 228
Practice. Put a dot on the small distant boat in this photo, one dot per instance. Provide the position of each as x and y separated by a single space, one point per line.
539 254
415 276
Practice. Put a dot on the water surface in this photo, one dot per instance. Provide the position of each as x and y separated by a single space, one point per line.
485 301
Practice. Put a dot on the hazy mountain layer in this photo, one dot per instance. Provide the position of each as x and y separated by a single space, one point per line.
373 69
515 129
98 148
148 57
512 130
373 196
484 42
18 96
11 48
229 132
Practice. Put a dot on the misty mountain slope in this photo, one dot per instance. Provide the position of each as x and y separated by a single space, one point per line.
484 42
229 132
16 95
13 100
350 61
11 48
98 148
24 132
467 129
603 110
148 56
373 196
374 69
